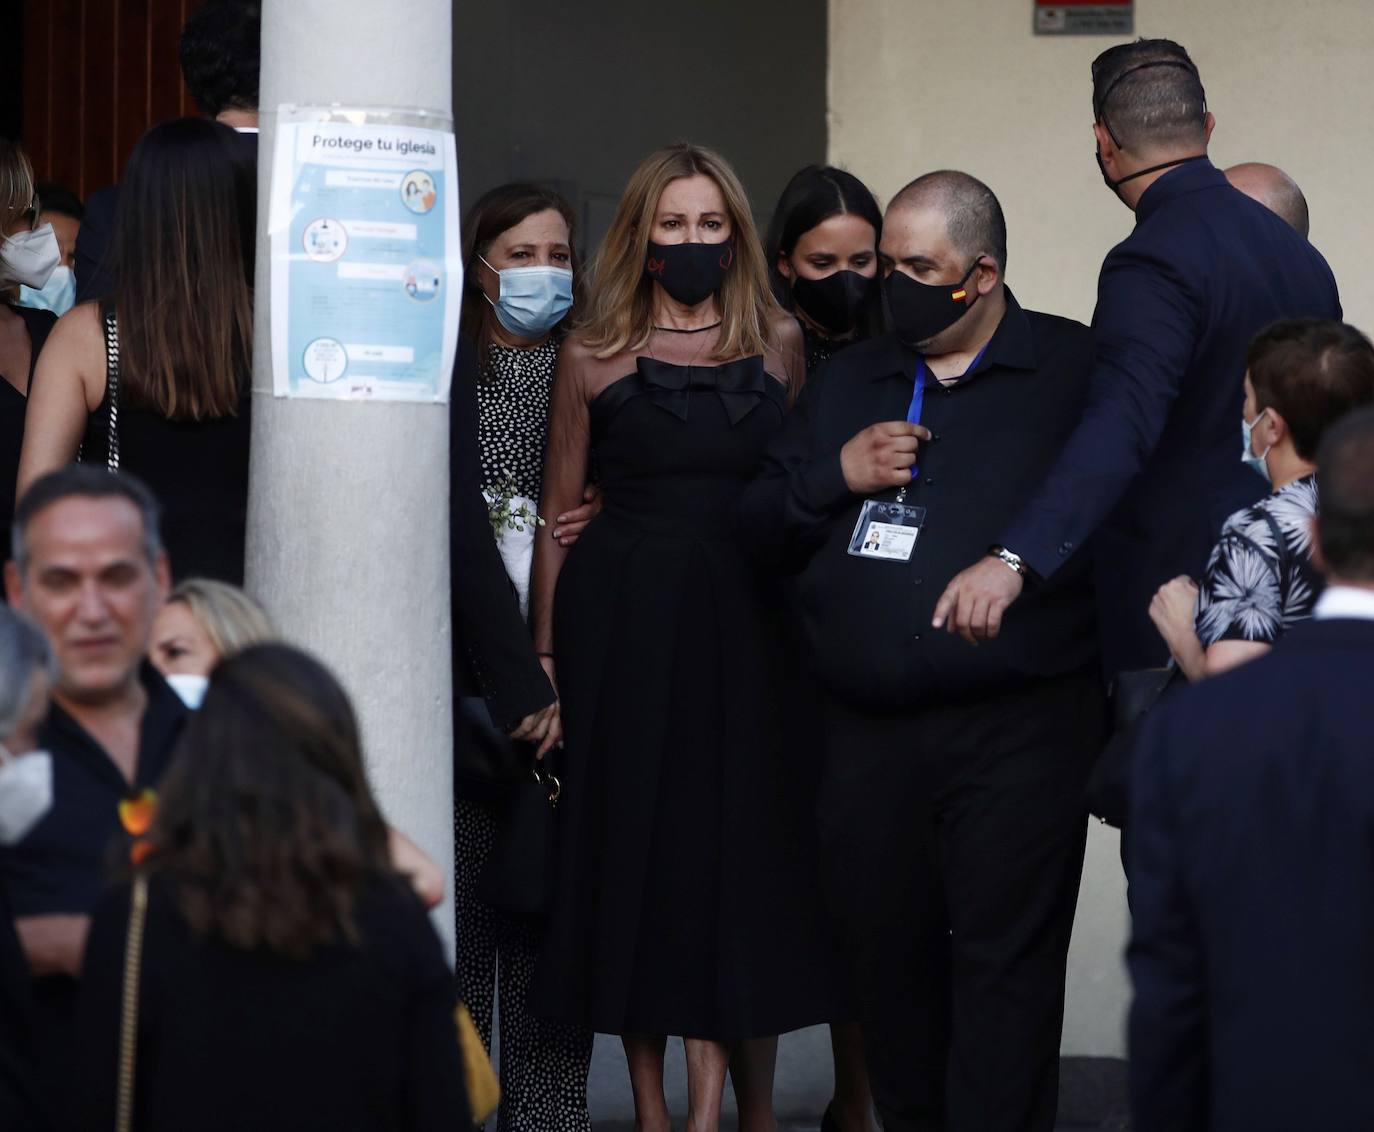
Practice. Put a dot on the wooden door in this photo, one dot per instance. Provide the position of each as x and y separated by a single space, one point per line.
96 75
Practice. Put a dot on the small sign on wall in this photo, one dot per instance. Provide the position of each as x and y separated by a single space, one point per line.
1084 17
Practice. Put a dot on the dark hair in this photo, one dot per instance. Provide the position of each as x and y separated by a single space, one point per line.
1311 372
813 195
221 45
499 210
1153 93
1345 479
85 481
266 824
182 233
972 212
53 197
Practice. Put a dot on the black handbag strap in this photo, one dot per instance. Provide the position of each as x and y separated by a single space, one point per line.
111 329
1285 560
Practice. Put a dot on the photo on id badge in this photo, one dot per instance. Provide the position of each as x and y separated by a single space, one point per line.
886 530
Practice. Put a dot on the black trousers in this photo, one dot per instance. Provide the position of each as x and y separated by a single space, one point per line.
953 844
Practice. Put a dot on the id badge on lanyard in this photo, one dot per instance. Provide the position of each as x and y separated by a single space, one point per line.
887 530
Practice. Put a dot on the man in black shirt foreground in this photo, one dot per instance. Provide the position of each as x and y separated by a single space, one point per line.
952 807
90 571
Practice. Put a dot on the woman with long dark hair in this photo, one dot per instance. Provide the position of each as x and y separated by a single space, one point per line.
822 250
681 906
521 282
288 977
155 379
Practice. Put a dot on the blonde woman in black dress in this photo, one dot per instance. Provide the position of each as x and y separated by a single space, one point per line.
685 905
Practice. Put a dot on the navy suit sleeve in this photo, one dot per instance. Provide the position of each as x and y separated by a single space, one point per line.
1168 1038
799 486
494 641
94 279
1145 330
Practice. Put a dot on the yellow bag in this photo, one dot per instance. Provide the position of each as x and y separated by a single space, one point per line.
484 1091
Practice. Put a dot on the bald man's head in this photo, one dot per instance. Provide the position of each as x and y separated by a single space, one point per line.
971 211
1274 189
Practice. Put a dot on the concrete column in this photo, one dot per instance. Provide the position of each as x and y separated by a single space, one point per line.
348 502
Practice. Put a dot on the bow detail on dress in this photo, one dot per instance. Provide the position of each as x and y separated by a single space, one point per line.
740 385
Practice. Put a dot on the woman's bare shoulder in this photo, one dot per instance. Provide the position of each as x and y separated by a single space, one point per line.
75 350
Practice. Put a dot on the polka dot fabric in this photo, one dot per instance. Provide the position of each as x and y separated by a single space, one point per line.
543 1064
513 414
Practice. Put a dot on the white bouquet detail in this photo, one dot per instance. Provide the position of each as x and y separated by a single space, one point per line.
514 519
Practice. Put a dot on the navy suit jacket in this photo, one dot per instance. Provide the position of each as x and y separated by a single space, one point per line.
1154 468
1252 894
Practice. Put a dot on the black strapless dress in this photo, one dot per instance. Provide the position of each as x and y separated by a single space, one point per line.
686 899
199 472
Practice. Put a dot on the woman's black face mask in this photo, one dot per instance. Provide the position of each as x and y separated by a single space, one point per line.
689 272
834 302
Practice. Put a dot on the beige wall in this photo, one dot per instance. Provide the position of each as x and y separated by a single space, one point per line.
917 85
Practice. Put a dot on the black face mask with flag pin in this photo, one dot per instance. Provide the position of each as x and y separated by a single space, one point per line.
919 311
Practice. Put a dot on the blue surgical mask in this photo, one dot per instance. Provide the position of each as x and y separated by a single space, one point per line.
1247 454
533 299
58 294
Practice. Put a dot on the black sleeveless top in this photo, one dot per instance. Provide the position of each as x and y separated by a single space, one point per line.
13 405
197 469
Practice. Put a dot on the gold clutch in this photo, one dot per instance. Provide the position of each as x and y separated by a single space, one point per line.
484 1091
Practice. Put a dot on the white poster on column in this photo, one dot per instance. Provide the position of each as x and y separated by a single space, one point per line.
367 265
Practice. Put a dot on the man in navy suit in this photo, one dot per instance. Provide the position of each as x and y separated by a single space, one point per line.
1152 471
1252 819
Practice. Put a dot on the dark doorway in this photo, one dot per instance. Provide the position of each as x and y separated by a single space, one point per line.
87 78
576 94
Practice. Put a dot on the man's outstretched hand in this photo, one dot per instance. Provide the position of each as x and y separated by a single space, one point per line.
975 601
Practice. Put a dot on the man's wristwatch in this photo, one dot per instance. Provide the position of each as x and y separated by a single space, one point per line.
1010 559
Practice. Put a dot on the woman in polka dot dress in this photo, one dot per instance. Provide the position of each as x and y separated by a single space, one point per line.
519 279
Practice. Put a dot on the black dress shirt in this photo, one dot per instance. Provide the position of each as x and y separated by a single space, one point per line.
996 432
61 865
64 862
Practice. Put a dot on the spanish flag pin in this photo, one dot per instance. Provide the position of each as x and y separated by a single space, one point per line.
960 295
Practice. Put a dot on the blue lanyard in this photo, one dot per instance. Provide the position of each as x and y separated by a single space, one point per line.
918 393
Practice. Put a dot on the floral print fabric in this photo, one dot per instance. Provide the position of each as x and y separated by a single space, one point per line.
1260 579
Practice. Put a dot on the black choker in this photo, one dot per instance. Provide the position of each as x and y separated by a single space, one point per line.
675 330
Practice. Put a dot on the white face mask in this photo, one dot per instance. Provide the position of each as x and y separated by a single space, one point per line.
25 793
29 257
190 687
57 295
